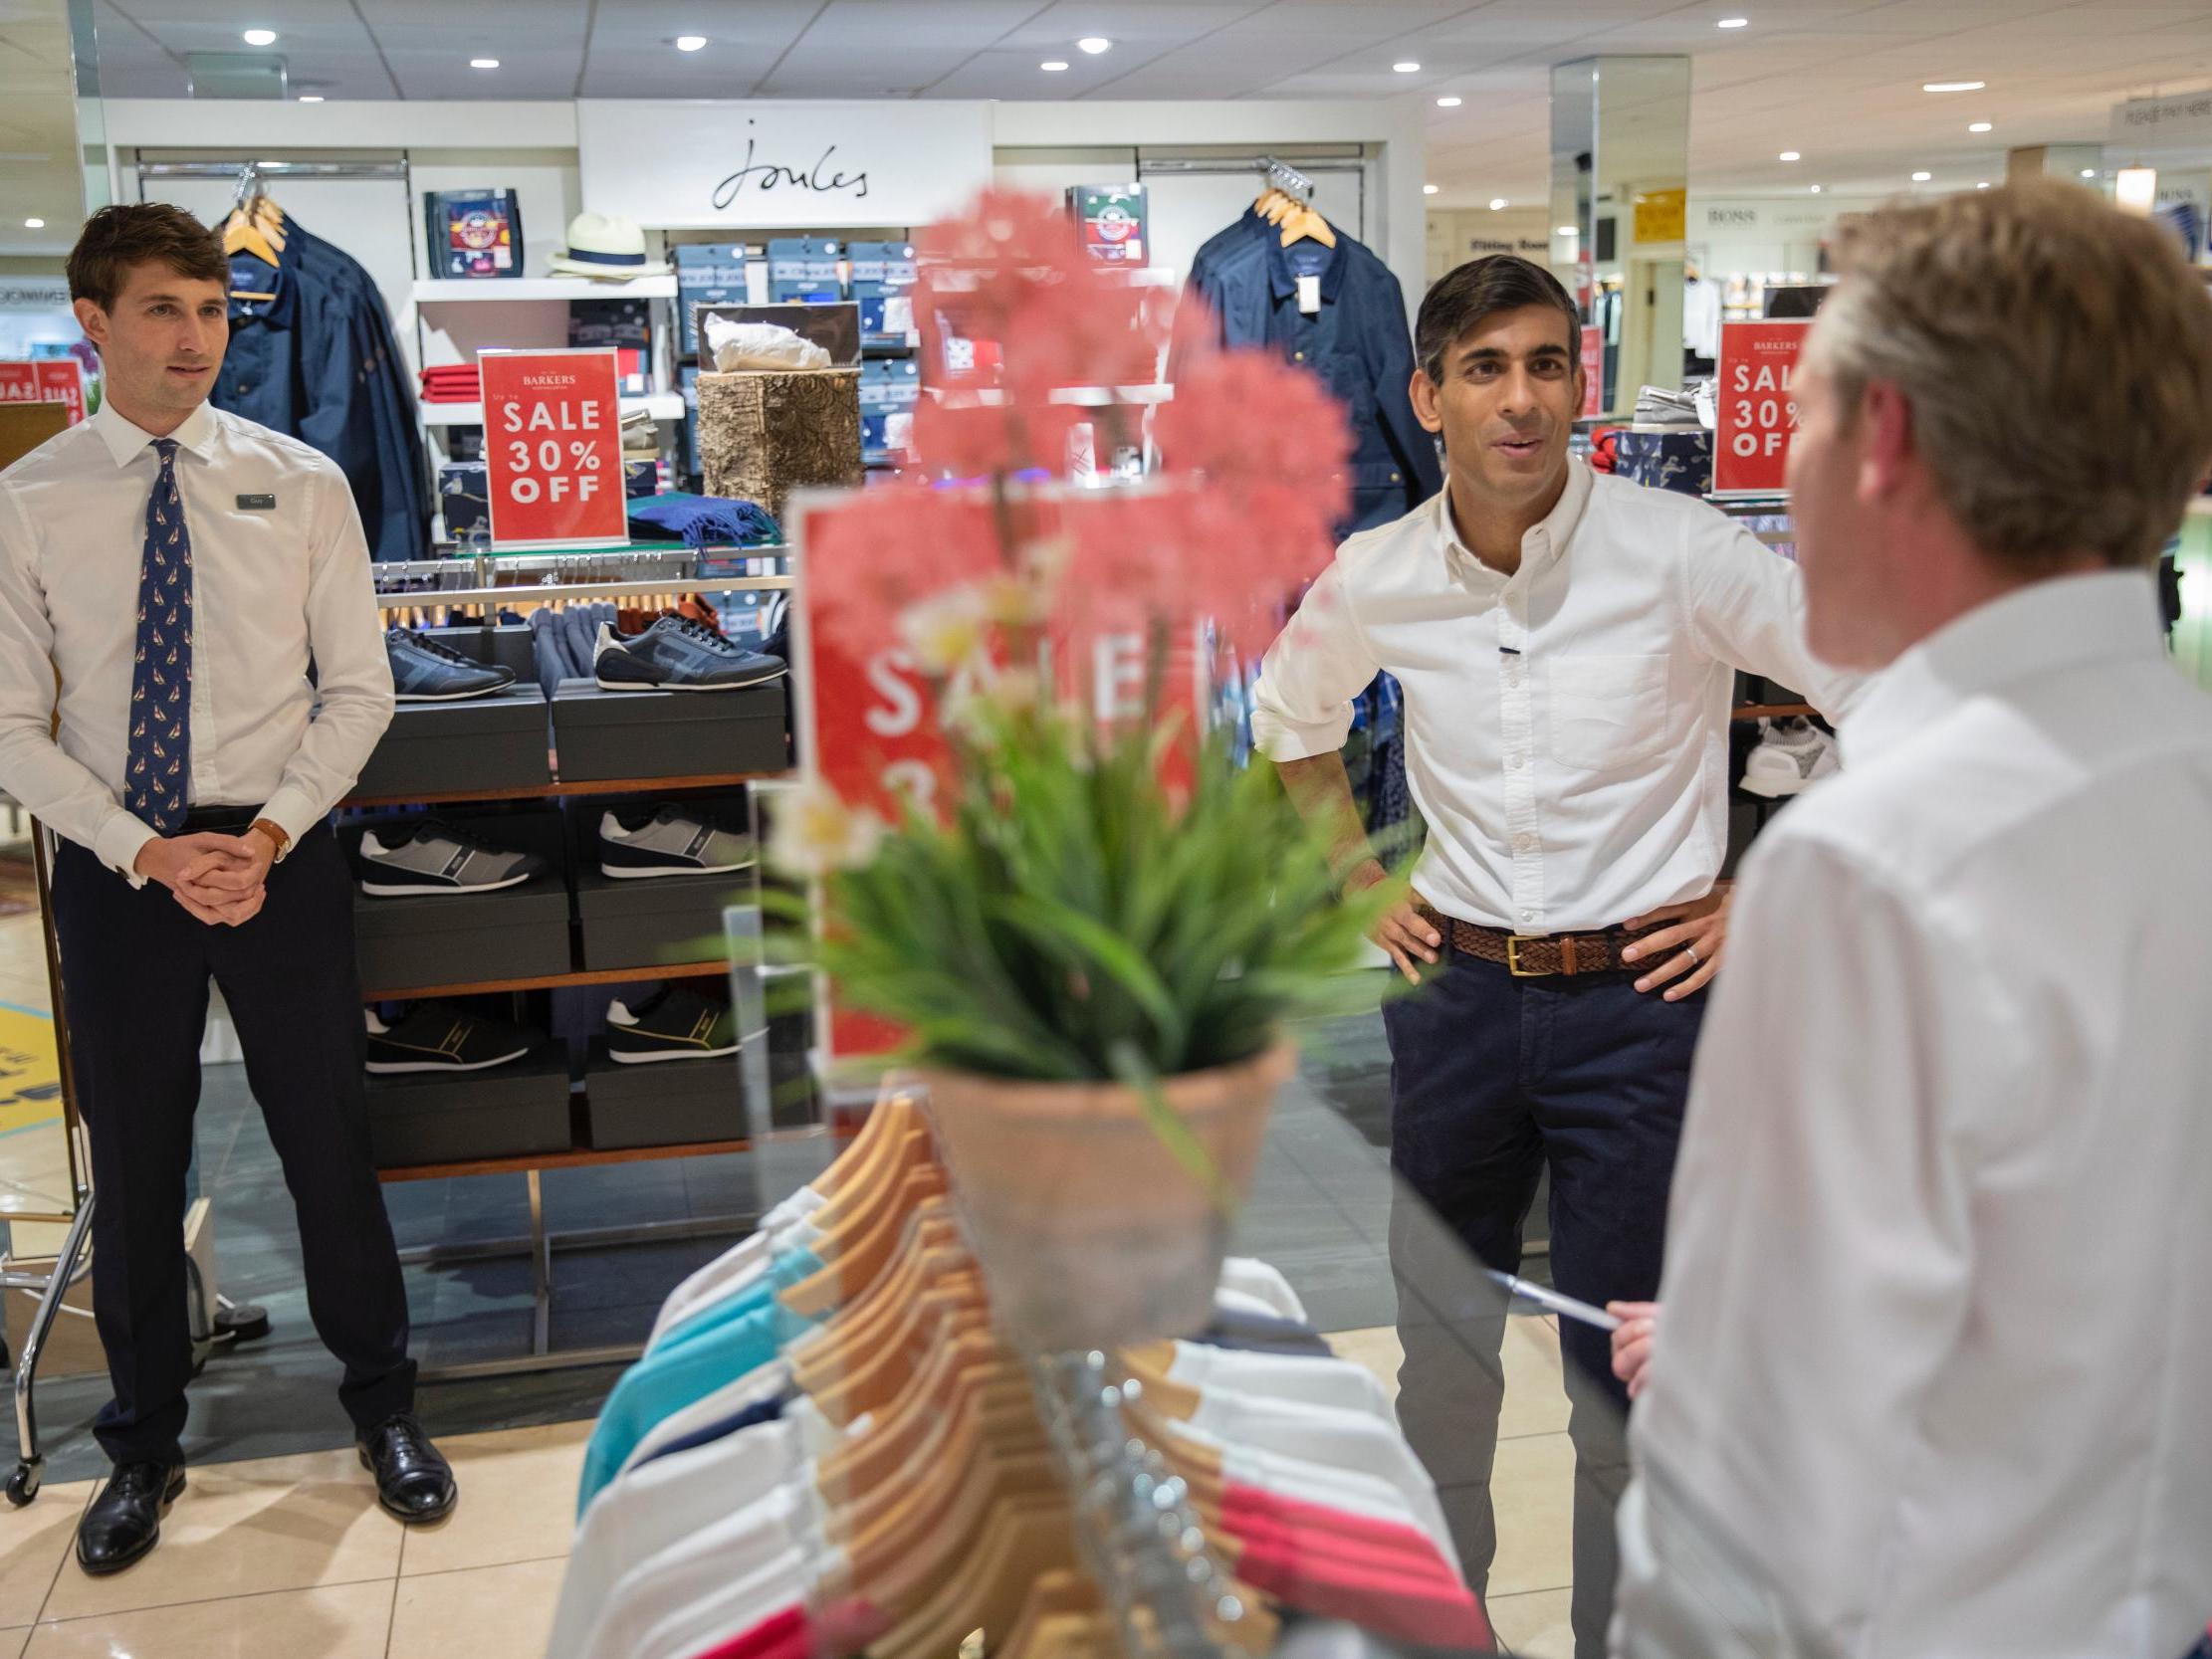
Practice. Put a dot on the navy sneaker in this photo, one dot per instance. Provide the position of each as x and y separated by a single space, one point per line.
677 654
423 671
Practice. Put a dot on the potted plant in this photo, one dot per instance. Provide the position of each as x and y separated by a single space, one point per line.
1096 931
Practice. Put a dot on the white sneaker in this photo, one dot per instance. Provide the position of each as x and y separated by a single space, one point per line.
1792 755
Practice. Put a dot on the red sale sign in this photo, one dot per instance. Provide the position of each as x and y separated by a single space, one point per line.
44 380
1593 372
553 448
1757 406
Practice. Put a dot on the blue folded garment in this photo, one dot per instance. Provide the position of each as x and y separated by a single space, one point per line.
702 522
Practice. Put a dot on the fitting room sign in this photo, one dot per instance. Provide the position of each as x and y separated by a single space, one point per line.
780 164
1756 406
552 448
44 380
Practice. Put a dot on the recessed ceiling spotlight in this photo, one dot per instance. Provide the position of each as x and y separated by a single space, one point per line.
1094 44
311 97
1952 86
259 37
1984 185
1815 189
1789 155
1053 66
691 43
33 224
1922 178
1497 202
484 63
1429 190
1978 127
2088 172
1408 67
1569 230
1733 23
1450 102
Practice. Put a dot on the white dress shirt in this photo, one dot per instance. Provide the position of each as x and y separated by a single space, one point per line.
273 588
1566 727
1933 1373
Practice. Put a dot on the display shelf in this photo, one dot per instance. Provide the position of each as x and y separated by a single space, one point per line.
662 406
552 981
441 292
579 1158
581 786
1772 711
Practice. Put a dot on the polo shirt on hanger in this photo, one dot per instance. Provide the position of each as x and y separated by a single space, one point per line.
785 1227
1307 1378
770 1382
1248 1275
762 1558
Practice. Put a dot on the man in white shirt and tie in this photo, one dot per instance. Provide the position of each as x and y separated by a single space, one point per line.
1567 644
1934 1374
169 573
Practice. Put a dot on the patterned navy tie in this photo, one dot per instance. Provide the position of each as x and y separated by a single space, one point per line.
160 759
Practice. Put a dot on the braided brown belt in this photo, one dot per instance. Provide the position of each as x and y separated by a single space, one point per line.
1552 955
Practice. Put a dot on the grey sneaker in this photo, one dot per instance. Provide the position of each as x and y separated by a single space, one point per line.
668 841
677 654
425 670
437 858
1792 755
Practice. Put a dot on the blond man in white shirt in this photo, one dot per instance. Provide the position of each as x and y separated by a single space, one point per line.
1933 1375
1567 644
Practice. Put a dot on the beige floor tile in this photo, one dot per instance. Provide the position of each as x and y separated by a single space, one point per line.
33 1544
517 1500
1535 1397
336 1621
1532 1488
490 1612
1534 1626
247 1528
13 1642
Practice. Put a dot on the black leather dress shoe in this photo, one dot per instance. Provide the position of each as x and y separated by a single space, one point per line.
413 1479
125 1520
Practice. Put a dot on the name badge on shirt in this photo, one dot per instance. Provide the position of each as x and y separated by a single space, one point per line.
257 504
1309 296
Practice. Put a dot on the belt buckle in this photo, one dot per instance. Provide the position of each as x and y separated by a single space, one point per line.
1513 943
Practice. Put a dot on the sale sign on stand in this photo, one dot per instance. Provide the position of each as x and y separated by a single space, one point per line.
44 380
553 448
1757 406
1593 372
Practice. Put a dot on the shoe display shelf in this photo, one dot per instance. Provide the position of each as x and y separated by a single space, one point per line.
475 764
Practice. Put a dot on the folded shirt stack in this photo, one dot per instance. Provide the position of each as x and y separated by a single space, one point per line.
452 383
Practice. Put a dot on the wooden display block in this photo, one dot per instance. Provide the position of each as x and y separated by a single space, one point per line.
766 432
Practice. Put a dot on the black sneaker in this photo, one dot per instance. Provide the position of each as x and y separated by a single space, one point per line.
677 654
424 671
669 840
434 1037
436 857
673 1025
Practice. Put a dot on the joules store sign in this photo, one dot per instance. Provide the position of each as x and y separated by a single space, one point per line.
780 165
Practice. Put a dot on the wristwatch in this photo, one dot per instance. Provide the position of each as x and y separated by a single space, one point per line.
277 837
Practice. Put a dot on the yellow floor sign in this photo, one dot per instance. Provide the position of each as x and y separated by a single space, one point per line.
30 1070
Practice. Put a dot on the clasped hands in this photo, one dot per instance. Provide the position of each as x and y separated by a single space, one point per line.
222 879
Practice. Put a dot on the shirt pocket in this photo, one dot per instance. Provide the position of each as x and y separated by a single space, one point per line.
1607 713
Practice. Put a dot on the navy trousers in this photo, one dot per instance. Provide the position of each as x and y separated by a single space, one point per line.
136 967
1494 1078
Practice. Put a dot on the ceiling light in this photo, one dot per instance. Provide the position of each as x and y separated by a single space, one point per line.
1815 189
33 224
1952 86
1448 102
1977 127
1984 185
1094 44
1408 66
311 97
1733 23
1789 155
1053 66
1569 230
1922 178
691 43
2088 172
260 37
1497 202
484 63
1428 189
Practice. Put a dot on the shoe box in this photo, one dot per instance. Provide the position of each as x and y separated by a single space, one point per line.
650 922
451 939
600 734
457 749
508 1110
662 1103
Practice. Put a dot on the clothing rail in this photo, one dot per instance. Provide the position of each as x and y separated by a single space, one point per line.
666 564
544 593
272 169
1140 1538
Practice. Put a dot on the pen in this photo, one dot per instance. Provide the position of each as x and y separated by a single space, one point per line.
1564 1305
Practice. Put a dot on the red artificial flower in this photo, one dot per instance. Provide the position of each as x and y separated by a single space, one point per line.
1246 415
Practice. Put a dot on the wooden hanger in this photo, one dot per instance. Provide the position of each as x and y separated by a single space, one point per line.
1059 1604
969 1365
1302 224
986 1591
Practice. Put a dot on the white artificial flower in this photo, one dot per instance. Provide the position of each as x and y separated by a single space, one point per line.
815 833
946 630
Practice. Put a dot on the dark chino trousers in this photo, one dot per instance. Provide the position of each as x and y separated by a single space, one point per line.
1492 1078
136 969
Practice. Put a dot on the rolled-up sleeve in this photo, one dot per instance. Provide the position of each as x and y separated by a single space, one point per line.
352 672
1746 608
1302 705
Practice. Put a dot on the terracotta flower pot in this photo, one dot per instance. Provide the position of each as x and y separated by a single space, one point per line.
1089 1230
